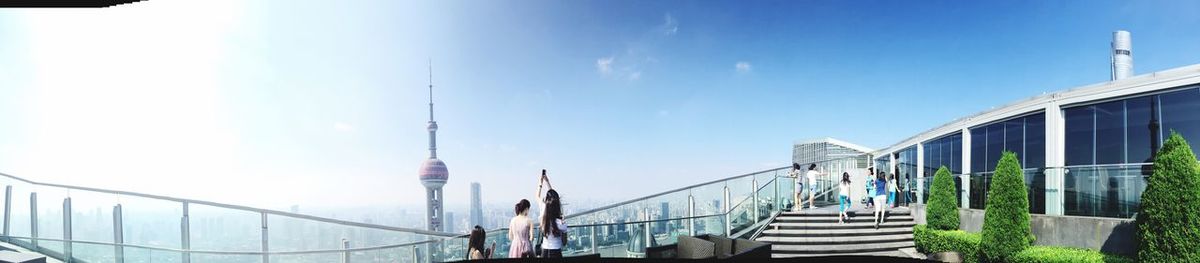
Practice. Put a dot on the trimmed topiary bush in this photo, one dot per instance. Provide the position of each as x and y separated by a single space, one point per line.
942 212
1041 254
1169 216
1006 228
930 241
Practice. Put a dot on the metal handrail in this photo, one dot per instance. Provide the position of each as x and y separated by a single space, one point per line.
215 252
593 210
238 207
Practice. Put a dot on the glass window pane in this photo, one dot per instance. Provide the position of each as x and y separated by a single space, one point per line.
1179 113
1079 137
978 149
1138 116
1110 132
956 154
1035 141
995 145
1014 138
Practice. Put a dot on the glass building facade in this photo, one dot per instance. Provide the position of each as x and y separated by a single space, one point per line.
944 151
1109 147
1084 152
1026 137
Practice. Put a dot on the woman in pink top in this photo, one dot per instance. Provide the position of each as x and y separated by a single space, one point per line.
520 229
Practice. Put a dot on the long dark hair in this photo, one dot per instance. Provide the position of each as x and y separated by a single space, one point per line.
476 241
812 166
846 177
795 166
521 206
552 213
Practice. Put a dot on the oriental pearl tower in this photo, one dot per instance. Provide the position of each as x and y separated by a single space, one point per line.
433 172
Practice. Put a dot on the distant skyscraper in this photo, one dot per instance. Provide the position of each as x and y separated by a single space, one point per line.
433 172
449 222
476 206
664 214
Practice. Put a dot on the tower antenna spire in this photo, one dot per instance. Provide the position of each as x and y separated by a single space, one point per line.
431 90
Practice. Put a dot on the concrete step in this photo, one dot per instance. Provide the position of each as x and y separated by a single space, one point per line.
830 240
834 219
834 232
840 248
894 253
854 225
834 213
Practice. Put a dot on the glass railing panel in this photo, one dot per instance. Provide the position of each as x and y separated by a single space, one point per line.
308 258
713 224
765 202
144 255
286 234
151 222
1105 191
740 189
451 249
20 225
670 231
93 253
225 258
787 195
1035 185
397 254
708 198
222 229
50 217
672 205
579 241
91 217
741 217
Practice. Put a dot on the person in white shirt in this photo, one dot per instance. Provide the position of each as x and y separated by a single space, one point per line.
812 184
844 198
799 189
554 228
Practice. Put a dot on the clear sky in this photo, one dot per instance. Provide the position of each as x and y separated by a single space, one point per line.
273 103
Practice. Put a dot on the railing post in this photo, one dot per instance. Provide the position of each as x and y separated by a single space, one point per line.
7 211
67 229
345 251
646 224
593 239
691 215
119 235
754 198
33 224
265 248
414 254
185 234
725 203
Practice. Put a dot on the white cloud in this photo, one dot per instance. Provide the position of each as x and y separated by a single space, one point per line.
636 75
343 127
742 66
670 26
604 65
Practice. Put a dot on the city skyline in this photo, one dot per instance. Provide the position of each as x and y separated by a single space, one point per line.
601 94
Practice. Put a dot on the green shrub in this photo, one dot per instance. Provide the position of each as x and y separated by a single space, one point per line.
932 241
1006 228
1042 254
942 212
1169 216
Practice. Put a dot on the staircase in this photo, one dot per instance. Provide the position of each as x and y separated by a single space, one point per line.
813 233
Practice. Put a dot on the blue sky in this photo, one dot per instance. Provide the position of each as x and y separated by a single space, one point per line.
273 103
